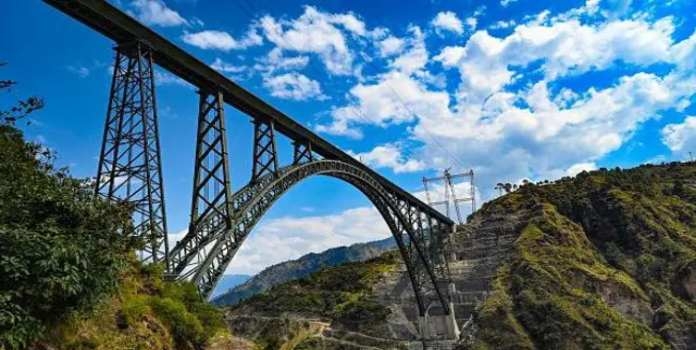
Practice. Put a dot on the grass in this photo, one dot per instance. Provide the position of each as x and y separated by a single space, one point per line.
598 253
145 313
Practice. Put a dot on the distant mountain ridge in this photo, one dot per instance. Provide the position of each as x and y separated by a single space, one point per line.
228 282
303 267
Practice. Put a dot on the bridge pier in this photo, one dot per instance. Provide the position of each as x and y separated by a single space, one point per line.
440 327
129 162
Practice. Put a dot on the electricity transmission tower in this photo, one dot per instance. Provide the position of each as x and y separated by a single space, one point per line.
450 197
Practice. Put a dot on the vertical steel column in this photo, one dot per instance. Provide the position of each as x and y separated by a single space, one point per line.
129 161
302 152
212 189
265 156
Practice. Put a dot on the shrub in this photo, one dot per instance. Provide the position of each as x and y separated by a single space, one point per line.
183 324
60 250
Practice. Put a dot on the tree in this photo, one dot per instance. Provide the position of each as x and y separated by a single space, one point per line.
60 249
22 108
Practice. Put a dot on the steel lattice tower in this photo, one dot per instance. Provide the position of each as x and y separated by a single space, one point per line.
129 163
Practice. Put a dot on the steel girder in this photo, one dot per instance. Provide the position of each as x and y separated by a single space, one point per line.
129 162
252 201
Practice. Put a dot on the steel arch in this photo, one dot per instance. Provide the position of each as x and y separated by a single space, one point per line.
413 231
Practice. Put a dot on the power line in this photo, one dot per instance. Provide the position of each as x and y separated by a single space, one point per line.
450 195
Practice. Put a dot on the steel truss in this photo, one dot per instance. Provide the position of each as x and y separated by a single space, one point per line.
265 159
252 201
212 190
129 162
302 152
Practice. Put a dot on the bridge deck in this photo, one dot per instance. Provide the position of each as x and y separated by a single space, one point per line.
118 26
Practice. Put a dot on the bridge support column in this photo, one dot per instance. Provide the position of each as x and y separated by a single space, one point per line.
424 327
212 189
129 162
302 152
453 330
265 156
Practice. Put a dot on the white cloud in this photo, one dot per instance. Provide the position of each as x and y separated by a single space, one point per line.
219 40
416 55
449 21
509 124
391 46
395 99
291 237
471 23
506 3
389 156
580 167
81 71
681 137
319 33
276 60
293 86
225 67
156 12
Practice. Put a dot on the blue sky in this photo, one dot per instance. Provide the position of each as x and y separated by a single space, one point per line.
514 89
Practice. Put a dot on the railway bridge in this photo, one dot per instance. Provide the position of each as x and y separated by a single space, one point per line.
130 168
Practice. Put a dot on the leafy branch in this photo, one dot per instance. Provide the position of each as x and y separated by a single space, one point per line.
22 108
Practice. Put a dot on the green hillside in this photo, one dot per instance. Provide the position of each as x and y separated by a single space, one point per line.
605 260
68 275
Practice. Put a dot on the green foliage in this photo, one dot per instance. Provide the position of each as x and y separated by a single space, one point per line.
183 324
62 253
360 313
341 293
601 262
60 250
20 110
189 317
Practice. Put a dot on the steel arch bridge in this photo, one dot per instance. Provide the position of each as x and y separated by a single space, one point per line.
130 166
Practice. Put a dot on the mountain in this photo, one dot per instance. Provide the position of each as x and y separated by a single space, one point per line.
604 260
228 282
302 267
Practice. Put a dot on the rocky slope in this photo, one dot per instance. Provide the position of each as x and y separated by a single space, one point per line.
604 260
303 267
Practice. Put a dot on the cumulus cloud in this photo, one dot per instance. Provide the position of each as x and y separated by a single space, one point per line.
389 156
291 237
391 46
415 57
681 137
320 33
293 86
220 40
156 12
448 21
580 167
396 99
277 60
225 67
511 122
